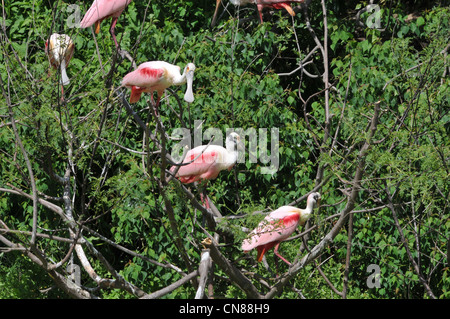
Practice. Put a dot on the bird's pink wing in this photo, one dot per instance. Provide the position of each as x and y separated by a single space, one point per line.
271 229
272 2
102 9
204 165
144 76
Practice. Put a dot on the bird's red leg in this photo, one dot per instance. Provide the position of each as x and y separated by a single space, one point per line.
281 257
260 8
111 30
204 199
203 195
62 92
157 105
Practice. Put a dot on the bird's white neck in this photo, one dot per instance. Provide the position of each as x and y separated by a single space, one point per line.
231 154
231 147
306 213
180 78
187 76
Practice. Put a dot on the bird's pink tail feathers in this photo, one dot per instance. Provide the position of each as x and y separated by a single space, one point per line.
136 93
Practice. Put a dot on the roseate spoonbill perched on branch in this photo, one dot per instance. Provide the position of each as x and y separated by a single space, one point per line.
260 4
277 227
59 49
205 162
101 10
158 76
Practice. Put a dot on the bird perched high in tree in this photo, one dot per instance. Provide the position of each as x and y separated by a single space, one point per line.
101 10
158 76
205 162
277 227
59 49
260 4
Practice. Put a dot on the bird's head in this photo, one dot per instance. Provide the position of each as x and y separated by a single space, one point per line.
313 199
233 141
190 67
189 72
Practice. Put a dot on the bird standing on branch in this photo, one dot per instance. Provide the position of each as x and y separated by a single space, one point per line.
260 4
158 76
101 10
277 227
205 162
59 49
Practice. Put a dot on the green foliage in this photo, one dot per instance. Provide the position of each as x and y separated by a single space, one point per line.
408 160
21 279
115 188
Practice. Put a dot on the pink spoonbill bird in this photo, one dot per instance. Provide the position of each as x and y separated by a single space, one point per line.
59 49
277 227
260 4
101 10
205 162
158 76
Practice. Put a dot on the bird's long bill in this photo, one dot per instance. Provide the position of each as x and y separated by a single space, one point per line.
64 77
189 95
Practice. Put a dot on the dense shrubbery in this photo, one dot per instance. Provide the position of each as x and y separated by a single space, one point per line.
365 122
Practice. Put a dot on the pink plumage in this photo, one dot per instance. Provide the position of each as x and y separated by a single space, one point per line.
277 227
104 9
148 77
157 76
204 165
207 161
260 4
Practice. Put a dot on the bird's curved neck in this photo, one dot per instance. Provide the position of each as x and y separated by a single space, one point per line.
306 213
310 206
180 78
232 153
231 147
